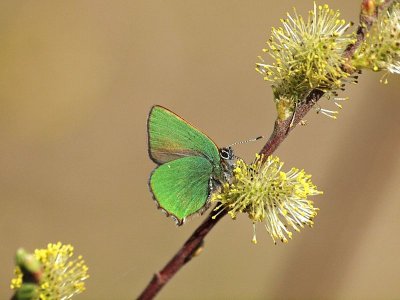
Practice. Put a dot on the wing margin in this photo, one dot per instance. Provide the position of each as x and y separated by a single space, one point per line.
181 188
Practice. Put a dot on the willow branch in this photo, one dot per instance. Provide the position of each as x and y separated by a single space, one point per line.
183 256
280 132
282 128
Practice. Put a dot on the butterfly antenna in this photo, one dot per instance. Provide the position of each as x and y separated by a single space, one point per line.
250 140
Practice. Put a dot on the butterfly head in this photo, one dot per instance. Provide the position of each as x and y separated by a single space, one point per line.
228 162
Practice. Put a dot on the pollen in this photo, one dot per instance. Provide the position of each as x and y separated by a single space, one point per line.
61 276
306 54
270 196
381 49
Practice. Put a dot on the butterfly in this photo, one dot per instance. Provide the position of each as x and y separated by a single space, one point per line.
190 165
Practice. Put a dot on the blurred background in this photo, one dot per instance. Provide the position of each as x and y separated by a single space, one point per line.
77 80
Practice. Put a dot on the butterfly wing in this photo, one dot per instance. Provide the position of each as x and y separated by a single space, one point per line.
171 137
182 187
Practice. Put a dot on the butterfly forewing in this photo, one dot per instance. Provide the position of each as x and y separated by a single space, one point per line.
171 137
181 187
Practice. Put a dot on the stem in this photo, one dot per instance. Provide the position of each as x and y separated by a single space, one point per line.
283 128
184 255
280 132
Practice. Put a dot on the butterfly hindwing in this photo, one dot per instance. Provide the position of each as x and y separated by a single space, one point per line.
171 137
181 187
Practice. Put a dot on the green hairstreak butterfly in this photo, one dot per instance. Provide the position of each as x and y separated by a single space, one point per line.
190 165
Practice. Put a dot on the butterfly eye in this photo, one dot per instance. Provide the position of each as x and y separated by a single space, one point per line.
226 153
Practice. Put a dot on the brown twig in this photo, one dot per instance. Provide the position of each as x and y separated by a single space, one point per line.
368 16
184 255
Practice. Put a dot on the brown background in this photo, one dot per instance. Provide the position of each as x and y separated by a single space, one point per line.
77 79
